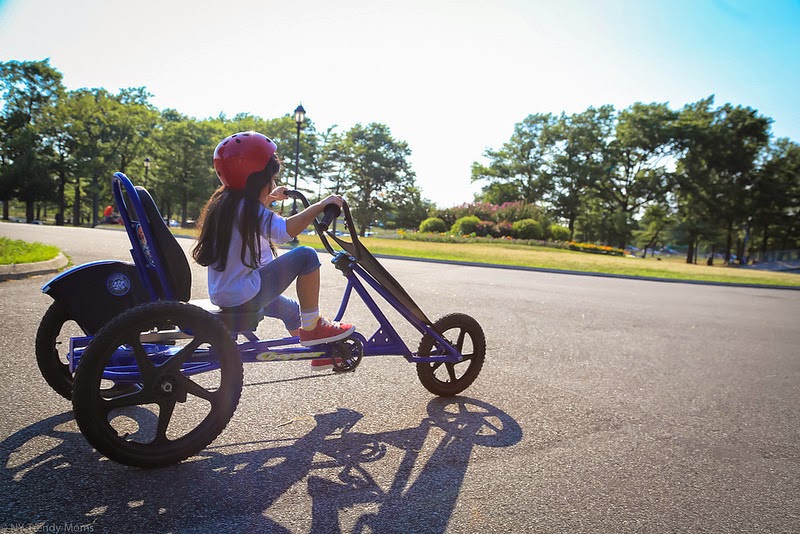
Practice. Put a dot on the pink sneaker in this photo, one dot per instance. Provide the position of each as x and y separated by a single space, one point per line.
325 332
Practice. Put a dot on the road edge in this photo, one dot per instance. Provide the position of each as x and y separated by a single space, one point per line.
23 270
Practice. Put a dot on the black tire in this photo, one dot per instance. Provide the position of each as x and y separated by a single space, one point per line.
465 335
163 433
52 345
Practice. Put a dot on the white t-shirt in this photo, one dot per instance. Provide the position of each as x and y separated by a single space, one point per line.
238 283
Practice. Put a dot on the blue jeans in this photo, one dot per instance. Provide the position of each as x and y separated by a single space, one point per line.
276 276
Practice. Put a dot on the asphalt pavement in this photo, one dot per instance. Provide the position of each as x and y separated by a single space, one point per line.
605 405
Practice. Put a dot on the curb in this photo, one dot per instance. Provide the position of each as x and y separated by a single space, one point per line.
23 270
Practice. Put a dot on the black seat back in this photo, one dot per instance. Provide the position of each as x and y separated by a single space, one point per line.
167 251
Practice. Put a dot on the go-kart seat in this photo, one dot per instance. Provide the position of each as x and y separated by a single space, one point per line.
176 266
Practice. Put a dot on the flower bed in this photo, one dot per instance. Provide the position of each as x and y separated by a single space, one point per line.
447 237
595 249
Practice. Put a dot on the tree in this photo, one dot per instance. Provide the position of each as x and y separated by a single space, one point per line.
29 91
407 208
375 170
717 168
654 227
775 202
92 116
577 164
522 162
186 176
635 160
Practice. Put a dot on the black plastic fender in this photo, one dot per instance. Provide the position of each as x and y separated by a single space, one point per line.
95 292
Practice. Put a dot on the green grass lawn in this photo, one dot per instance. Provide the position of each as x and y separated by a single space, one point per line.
567 260
505 253
14 251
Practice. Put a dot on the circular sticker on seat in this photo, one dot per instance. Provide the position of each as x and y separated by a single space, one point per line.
118 284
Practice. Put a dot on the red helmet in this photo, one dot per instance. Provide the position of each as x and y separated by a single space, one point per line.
240 155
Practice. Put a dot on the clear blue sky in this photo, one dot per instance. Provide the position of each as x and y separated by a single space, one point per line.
451 78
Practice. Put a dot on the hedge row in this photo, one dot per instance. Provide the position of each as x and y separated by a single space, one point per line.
521 229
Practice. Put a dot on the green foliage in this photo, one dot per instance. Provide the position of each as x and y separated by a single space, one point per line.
559 233
520 162
527 229
465 225
29 91
375 169
713 171
433 224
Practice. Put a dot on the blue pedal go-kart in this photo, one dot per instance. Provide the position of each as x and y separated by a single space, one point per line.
154 377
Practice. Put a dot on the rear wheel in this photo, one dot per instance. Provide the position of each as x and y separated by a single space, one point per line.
169 416
466 336
52 345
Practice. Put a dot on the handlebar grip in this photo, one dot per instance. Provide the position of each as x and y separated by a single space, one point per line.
331 212
291 193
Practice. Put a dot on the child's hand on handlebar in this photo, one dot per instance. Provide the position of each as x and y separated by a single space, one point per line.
332 199
279 193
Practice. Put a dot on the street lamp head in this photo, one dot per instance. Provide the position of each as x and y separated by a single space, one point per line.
146 163
299 115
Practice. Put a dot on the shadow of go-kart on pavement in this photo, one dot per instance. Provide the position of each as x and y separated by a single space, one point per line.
400 480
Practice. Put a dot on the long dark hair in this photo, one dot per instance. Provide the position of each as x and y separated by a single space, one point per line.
219 216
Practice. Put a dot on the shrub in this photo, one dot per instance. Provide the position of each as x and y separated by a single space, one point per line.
516 211
502 229
559 233
484 228
465 225
433 224
527 229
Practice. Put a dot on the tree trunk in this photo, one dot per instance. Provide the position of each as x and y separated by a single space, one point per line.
764 241
76 206
95 200
62 202
690 252
728 244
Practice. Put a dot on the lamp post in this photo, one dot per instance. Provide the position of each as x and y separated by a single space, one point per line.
146 170
299 118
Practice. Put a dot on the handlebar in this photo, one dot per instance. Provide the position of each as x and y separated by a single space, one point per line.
322 223
331 212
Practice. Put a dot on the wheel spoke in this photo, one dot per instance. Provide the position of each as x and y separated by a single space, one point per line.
459 345
175 362
131 399
451 371
190 386
146 367
165 410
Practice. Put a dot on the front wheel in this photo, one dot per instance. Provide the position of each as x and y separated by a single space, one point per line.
171 413
466 336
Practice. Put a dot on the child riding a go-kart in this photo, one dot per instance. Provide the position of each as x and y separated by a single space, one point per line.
154 377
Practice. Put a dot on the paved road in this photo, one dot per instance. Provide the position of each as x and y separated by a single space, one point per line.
604 406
